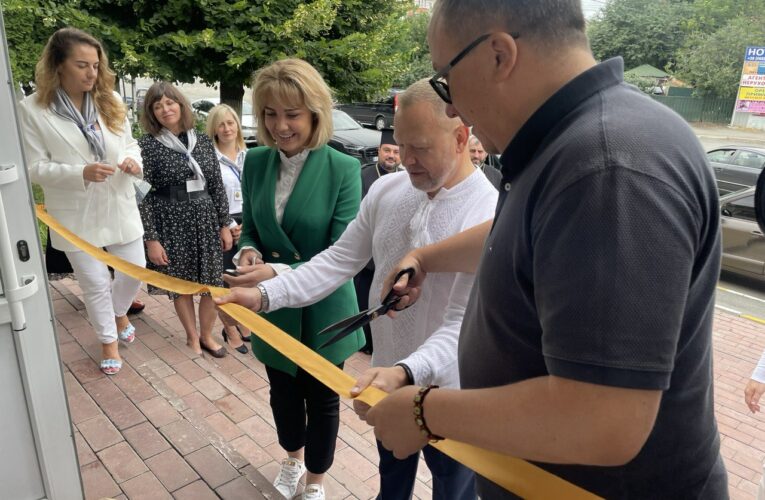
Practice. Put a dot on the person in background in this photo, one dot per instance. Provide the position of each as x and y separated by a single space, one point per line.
299 196
186 211
478 156
578 350
80 150
439 195
388 161
752 394
224 128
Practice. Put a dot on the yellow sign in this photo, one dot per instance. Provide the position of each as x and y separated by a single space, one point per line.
751 94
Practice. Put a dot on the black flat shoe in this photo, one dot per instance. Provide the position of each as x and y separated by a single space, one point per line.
215 354
242 348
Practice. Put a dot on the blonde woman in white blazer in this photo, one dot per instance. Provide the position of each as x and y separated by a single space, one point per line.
80 150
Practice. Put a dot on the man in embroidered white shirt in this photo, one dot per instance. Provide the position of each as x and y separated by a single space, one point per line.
440 194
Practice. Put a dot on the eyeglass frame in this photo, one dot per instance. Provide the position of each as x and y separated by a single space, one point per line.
437 81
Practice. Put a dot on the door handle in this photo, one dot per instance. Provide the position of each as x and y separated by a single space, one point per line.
15 290
755 233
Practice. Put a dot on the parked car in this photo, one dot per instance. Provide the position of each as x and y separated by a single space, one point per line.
379 114
202 107
743 241
736 167
140 94
352 139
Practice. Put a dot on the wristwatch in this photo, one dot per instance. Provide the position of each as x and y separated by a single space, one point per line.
263 298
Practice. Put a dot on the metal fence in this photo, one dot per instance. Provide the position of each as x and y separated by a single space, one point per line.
700 109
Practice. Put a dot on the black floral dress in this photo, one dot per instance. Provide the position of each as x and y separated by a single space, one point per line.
188 230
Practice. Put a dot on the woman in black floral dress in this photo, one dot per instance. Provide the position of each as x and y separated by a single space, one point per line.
185 215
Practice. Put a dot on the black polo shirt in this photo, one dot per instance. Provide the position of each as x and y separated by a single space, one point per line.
601 267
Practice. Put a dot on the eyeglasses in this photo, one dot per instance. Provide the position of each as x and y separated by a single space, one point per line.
438 82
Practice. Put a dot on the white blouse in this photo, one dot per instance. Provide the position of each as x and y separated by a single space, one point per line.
232 179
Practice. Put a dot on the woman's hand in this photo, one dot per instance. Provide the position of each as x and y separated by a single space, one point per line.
247 297
249 258
97 172
250 276
226 241
752 394
156 253
236 232
129 166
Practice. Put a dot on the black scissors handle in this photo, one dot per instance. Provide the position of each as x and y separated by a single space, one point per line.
353 323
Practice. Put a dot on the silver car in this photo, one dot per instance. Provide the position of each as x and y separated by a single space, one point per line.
742 240
736 167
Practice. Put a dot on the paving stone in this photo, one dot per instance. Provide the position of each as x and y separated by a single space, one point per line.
103 391
234 408
223 426
211 465
171 355
250 380
145 487
210 388
198 490
190 371
97 482
145 440
82 407
159 411
84 454
356 463
183 436
200 404
85 370
178 385
123 413
260 432
239 489
133 385
250 450
71 352
122 462
153 341
172 471
99 433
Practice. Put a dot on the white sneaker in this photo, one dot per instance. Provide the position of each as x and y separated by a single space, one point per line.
313 492
289 476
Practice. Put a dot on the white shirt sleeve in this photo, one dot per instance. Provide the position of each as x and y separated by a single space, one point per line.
759 371
325 272
435 361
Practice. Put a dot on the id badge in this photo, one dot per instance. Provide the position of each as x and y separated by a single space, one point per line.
193 185
238 195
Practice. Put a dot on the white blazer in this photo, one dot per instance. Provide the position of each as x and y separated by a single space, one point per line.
103 213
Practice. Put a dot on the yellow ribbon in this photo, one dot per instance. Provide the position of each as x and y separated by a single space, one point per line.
513 474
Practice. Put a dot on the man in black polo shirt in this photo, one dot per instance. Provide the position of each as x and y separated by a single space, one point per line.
586 345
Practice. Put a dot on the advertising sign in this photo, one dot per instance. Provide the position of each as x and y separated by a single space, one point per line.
751 92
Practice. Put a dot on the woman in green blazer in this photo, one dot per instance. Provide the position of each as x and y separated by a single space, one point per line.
299 195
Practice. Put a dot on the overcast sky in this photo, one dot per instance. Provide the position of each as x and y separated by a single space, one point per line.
591 7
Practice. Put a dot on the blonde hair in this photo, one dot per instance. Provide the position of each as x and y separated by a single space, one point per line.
216 116
111 110
155 93
293 83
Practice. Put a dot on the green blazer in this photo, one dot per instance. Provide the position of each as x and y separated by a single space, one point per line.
324 201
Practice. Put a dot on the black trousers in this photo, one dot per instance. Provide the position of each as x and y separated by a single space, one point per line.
307 414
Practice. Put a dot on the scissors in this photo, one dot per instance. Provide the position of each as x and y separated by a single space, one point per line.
353 323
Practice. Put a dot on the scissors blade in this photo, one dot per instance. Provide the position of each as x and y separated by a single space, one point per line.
343 323
349 329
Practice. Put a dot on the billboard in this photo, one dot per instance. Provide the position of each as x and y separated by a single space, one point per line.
751 91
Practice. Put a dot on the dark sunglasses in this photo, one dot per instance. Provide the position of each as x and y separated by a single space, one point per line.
438 82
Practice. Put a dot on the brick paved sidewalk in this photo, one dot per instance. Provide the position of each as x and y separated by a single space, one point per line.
174 424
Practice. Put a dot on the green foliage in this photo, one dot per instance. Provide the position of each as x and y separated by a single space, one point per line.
641 31
410 49
644 84
712 62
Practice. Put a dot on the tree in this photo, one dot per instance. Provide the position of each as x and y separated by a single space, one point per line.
410 49
641 31
712 62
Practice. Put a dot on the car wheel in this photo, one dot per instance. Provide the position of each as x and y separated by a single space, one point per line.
380 123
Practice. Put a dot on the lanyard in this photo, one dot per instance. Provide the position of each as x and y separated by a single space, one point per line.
236 171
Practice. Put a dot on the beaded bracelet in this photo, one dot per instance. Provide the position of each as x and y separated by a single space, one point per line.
419 414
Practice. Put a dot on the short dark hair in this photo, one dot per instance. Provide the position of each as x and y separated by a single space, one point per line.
155 93
545 21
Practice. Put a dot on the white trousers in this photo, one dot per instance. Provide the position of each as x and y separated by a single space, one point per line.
761 490
106 298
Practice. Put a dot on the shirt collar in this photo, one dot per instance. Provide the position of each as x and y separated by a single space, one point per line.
296 160
527 141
